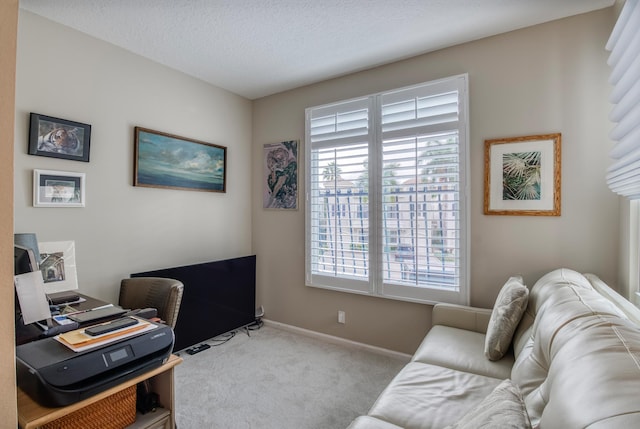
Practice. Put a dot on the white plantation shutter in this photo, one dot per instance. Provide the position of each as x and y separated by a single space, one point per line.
623 176
422 173
386 202
337 183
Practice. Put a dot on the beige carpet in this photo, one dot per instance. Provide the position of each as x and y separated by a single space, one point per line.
276 379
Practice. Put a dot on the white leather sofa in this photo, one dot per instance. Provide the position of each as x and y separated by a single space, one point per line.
574 361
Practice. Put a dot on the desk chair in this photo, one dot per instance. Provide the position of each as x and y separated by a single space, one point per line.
162 294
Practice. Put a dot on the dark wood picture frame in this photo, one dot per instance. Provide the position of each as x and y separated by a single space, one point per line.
59 138
163 160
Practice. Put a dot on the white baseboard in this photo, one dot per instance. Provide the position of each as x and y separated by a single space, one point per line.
337 340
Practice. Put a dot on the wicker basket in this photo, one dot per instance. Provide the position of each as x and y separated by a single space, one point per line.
113 412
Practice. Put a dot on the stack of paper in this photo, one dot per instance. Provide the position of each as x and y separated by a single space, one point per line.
78 341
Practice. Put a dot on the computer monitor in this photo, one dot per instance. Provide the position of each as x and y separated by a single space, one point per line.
24 260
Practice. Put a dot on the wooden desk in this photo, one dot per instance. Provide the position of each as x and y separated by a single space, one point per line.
32 415
30 332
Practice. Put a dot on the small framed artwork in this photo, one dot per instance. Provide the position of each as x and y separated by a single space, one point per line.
58 265
280 177
58 189
59 138
522 176
168 161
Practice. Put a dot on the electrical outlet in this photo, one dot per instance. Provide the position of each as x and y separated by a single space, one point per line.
341 317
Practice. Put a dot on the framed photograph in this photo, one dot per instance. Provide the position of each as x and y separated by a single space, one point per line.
58 265
280 177
58 188
168 161
522 176
59 138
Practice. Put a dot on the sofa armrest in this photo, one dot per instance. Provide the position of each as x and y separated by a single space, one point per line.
461 317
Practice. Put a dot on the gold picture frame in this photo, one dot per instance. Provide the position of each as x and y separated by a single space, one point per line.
523 175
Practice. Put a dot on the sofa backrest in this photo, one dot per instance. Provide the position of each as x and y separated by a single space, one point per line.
577 356
546 286
630 310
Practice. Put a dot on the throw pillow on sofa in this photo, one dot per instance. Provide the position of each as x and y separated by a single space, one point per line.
503 408
507 312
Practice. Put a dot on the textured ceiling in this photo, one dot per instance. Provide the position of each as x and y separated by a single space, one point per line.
256 48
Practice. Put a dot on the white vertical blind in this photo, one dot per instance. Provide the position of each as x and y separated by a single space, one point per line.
623 176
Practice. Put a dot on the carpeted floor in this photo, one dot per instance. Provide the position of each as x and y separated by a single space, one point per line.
276 379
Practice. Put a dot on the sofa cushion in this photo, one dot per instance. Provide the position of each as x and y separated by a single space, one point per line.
507 311
503 408
424 396
461 350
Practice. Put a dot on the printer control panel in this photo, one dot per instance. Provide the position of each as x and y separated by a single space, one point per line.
118 356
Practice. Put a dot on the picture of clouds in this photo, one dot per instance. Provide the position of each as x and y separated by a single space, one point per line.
168 161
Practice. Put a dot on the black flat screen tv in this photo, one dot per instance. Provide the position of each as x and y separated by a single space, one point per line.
219 297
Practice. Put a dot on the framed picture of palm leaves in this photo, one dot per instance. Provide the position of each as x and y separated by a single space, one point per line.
522 175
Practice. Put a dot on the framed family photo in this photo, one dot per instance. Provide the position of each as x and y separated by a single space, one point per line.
58 189
280 175
168 161
59 138
523 175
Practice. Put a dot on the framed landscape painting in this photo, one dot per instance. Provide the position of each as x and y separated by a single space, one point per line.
522 175
168 161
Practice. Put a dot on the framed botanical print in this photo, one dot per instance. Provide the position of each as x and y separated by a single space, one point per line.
523 175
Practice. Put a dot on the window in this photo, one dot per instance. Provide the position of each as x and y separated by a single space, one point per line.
386 203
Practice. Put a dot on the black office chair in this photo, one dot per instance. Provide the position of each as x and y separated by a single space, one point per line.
165 295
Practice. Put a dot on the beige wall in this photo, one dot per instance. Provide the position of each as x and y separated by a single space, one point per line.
125 229
8 29
547 78
543 79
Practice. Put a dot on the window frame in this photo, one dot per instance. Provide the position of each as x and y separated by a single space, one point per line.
374 285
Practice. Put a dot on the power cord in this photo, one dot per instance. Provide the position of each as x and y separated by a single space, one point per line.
225 338
257 324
